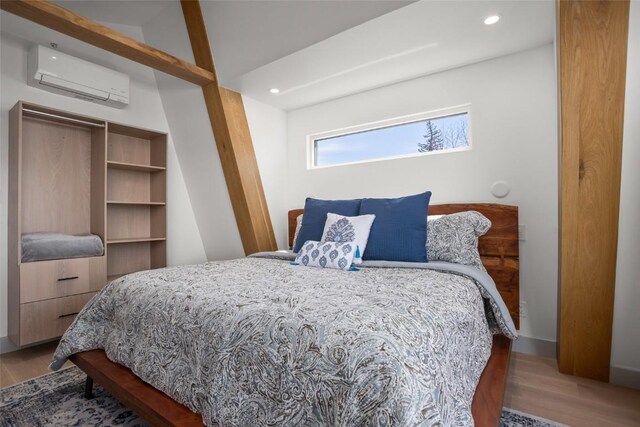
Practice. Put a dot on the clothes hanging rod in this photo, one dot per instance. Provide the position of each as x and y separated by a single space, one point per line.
69 119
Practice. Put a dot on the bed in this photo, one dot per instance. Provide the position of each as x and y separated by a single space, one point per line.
375 373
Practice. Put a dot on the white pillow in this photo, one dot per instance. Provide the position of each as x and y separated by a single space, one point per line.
338 255
354 229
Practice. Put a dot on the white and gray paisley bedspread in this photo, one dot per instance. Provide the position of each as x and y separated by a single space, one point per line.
258 342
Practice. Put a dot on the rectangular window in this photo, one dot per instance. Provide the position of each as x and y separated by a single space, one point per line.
441 131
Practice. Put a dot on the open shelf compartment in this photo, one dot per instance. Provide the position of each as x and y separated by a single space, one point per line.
137 147
130 257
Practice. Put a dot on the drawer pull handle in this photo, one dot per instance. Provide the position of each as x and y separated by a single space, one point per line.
67 278
67 315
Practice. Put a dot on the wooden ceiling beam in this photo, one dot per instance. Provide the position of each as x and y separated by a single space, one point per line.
233 139
64 21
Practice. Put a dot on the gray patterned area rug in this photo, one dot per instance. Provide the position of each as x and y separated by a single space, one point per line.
56 399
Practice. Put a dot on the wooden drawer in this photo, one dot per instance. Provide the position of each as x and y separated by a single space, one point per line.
58 278
48 319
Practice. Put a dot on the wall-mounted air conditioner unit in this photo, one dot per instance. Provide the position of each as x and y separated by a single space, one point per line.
57 72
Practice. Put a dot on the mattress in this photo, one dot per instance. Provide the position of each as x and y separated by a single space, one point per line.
47 246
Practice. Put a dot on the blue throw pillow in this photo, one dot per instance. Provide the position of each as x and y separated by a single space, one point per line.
315 216
399 232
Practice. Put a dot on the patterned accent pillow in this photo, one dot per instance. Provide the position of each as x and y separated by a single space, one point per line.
354 229
338 255
454 238
298 226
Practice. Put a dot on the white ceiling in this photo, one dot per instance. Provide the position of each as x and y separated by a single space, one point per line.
127 12
246 35
319 50
416 40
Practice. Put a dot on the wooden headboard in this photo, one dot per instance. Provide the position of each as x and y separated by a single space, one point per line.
499 248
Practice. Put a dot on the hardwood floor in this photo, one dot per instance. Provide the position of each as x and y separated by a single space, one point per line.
29 363
535 386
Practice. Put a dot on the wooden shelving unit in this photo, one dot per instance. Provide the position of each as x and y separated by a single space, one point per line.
136 200
74 174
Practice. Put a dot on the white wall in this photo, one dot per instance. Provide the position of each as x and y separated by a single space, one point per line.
268 127
514 138
190 126
146 110
625 351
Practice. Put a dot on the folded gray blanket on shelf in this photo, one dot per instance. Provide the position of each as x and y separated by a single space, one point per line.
47 246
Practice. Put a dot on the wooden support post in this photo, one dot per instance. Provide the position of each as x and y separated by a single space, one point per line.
592 67
231 132
64 21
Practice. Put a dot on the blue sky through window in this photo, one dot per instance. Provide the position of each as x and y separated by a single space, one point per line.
391 141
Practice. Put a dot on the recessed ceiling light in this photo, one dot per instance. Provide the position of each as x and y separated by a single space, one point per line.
274 90
490 20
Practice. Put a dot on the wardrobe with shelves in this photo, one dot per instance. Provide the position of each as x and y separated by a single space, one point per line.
87 204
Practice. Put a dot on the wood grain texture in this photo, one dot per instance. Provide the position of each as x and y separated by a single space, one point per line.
138 217
499 248
158 186
125 221
150 404
128 148
27 363
129 186
48 319
536 387
58 182
64 21
55 156
158 221
98 272
487 400
42 280
592 67
133 166
158 153
14 246
136 132
123 202
128 257
99 182
158 254
235 147
59 116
